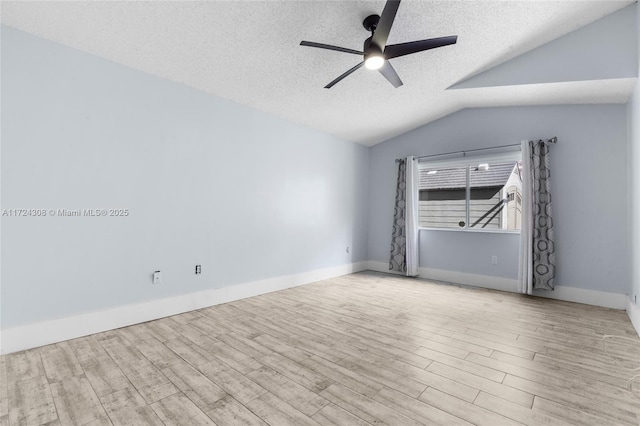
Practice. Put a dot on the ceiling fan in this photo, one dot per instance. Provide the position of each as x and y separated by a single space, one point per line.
376 51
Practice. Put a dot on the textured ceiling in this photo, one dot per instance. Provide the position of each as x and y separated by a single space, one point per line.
248 52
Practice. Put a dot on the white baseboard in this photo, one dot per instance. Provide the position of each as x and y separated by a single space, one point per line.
569 294
57 330
588 297
634 314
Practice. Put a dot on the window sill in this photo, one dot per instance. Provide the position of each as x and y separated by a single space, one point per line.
476 231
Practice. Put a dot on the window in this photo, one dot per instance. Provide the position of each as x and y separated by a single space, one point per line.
476 193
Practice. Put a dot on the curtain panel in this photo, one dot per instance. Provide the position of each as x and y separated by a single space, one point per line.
404 239
537 264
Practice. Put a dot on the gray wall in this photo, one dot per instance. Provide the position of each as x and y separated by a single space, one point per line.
633 113
246 195
589 181
470 252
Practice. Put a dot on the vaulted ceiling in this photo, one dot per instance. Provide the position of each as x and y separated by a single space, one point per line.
249 52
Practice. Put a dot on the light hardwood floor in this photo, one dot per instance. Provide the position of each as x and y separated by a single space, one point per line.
362 349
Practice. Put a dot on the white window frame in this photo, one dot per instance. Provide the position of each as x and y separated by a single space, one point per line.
468 161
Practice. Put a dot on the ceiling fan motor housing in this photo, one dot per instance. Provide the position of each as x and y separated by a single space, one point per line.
370 23
370 49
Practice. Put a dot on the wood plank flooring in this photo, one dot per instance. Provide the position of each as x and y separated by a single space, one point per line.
363 349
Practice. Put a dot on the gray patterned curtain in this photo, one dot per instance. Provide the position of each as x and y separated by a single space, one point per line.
544 251
398 259
537 251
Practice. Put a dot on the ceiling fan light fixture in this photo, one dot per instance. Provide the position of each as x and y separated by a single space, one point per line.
374 62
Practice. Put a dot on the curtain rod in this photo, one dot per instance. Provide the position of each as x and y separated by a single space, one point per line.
552 140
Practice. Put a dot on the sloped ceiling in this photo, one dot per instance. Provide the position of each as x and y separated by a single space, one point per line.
605 49
249 52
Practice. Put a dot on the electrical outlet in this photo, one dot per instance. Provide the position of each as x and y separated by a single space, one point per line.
157 277
494 260
198 269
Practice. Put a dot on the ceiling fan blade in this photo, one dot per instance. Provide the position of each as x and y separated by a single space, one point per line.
390 74
395 50
330 85
383 28
330 47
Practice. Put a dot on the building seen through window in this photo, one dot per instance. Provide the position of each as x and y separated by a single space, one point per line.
485 195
